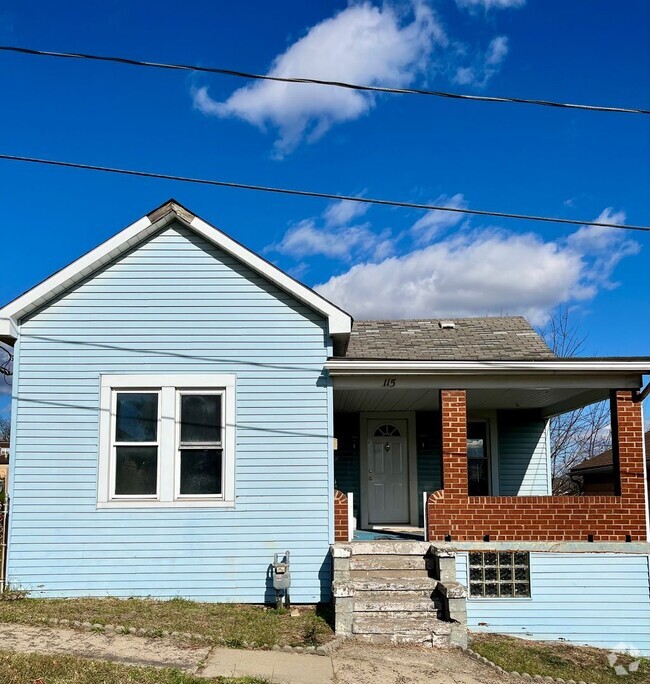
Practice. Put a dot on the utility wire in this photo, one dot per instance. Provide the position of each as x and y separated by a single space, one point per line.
318 81
321 195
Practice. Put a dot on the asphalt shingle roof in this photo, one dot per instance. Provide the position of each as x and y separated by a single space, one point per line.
497 338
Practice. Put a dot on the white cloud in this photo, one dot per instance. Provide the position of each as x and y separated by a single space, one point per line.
360 44
490 4
606 247
342 212
479 272
485 65
435 222
333 236
497 51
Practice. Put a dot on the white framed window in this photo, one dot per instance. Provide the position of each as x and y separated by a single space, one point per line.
166 440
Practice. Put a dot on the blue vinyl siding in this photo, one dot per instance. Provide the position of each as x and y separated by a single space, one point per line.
523 456
429 456
176 304
597 599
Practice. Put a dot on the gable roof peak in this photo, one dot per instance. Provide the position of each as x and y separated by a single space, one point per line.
339 322
171 206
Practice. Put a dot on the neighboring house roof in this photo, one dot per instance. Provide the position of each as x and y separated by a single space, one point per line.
339 321
473 339
604 462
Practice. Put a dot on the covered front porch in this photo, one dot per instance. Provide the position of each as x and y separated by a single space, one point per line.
461 451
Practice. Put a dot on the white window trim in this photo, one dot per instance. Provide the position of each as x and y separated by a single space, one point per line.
168 456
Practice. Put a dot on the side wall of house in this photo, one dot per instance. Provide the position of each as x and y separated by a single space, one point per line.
598 599
176 304
524 460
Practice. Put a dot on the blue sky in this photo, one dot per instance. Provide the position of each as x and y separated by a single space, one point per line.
379 262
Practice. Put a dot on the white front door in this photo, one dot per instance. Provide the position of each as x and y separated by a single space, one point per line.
388 480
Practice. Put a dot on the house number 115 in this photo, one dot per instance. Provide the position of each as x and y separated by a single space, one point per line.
389 382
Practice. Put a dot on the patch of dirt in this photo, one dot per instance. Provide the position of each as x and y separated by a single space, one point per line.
359 663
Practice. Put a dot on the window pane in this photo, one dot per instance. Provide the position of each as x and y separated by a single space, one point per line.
136 470
200 418
137 417
201 471
477 478
477 460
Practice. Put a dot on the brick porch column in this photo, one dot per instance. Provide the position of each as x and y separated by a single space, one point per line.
627 446
453 414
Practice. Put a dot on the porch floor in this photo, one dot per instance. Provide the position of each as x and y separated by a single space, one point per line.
392 533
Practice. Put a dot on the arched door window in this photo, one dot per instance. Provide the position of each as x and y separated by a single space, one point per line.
387 430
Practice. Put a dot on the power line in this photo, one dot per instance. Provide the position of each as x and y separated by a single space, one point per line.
320 195
318 81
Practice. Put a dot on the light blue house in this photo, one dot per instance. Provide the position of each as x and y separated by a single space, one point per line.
183 410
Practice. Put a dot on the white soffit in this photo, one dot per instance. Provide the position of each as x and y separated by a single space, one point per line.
340 323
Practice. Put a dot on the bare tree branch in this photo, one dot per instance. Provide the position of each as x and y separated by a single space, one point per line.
5 429
6 362
580 434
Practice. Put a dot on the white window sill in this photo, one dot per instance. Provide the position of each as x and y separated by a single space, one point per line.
190 503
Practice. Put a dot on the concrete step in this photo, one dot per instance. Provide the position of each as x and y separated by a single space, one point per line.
390 562
393 623
427 639
394 602
385 547
423 584
405 574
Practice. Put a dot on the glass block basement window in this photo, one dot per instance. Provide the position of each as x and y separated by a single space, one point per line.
499 574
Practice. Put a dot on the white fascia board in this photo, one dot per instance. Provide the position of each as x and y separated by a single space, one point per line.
340 323
8 329
77 270
351 367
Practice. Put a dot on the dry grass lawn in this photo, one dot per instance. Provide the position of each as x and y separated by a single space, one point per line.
559 660
229 624
20 668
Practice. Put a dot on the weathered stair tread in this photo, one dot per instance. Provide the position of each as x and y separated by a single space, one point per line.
399 583
422 605
382 548
404 573
396 623
390 562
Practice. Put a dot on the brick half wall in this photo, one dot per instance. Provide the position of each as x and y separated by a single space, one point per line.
451 513
341 532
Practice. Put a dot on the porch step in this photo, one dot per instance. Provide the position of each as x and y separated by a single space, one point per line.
390 562
428 639
385 547
386 593
379 574
398 624
426 585
395 602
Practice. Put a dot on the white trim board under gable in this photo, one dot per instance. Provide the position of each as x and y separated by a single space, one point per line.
339 322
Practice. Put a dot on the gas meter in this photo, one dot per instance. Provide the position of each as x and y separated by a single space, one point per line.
281 578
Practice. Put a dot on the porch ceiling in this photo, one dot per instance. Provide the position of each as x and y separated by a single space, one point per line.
547 401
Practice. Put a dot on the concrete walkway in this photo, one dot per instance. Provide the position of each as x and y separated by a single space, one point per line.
350 663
